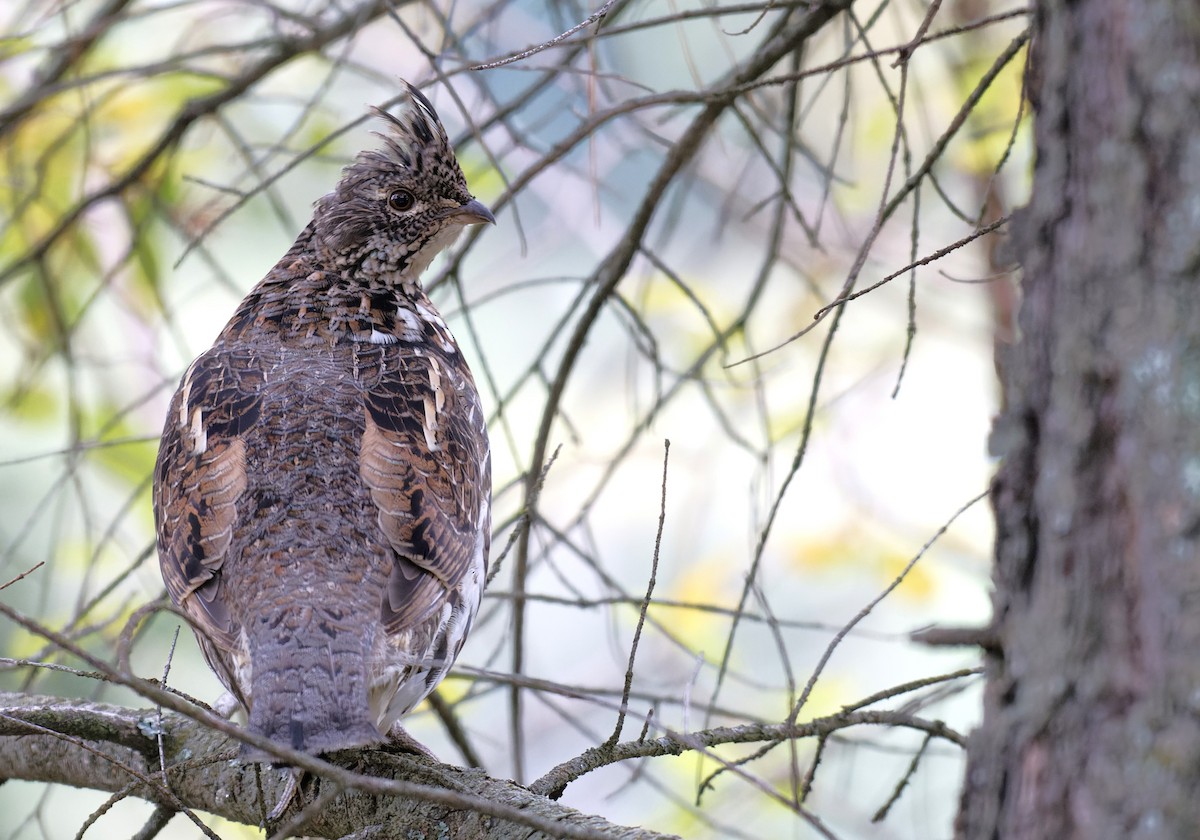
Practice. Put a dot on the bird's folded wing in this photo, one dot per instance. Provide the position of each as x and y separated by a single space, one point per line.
424 458
199 479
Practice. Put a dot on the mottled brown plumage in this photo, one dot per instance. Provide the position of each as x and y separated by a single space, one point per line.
322 492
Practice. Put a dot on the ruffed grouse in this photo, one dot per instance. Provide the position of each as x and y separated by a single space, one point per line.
323 488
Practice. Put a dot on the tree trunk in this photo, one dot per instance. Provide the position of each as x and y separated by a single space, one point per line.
1092 709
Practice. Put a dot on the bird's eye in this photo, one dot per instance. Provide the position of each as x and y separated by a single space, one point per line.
401 200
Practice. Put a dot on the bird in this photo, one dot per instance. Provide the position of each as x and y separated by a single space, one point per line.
322 490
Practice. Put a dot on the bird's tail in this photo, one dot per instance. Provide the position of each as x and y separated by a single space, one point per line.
308 688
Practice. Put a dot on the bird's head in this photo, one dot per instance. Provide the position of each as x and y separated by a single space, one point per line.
396 208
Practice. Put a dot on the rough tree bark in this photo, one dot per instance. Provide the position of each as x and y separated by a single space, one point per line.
104 747
1091 724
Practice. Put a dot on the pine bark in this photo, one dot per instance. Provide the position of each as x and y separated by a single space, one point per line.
1092 708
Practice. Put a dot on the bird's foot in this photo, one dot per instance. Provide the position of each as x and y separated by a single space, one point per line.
399 739
291 785
226 705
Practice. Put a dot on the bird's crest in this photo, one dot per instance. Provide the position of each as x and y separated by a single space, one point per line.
415 134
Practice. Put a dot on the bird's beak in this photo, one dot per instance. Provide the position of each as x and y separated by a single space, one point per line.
473 213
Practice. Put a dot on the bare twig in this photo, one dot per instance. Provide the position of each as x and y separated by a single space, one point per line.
23 575
637 633
591 19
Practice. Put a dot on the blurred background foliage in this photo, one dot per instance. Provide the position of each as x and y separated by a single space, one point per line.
158 156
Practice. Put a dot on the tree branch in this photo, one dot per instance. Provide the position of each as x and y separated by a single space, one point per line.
674 743
82 743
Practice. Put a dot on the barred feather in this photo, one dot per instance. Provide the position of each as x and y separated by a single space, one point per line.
322 491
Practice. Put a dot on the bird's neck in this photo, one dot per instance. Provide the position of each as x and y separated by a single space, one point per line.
307 299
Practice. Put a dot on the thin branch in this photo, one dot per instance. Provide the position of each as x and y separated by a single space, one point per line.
675 743
637 633
593 18
23 575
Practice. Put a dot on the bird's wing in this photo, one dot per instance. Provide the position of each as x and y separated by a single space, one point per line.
425 460
199 478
